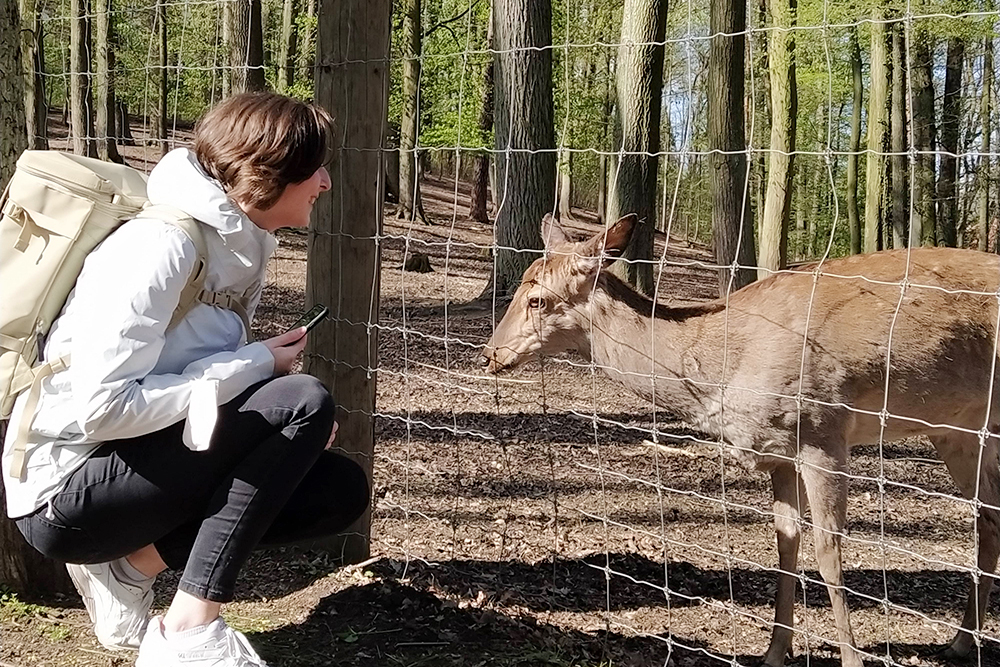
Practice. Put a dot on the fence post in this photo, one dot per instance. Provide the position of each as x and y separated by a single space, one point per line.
352 57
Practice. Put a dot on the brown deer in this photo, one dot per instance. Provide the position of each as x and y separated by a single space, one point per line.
736 367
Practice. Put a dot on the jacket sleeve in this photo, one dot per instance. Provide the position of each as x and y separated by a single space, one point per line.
130 287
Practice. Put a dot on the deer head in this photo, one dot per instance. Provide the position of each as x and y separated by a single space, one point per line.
547 314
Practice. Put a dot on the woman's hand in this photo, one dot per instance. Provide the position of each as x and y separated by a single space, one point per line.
285 348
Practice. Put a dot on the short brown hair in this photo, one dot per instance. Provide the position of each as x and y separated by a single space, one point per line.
256 144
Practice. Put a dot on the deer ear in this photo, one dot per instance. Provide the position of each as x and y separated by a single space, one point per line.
553 233
609 245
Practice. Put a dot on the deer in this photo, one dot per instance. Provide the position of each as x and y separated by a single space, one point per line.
788 373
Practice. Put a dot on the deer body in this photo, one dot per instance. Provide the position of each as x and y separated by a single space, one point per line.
735 369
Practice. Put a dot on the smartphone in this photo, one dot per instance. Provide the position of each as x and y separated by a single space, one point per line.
312 317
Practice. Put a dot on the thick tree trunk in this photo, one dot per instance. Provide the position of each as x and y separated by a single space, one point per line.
922 214
853 215
603 163
343 270
900 172
104 90
732 221
525 136
784 107
983 175
951 109
246 49
878 135
639 86
79 56
410 205
124 124
286 54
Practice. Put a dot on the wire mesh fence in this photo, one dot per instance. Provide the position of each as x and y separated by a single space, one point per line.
553 495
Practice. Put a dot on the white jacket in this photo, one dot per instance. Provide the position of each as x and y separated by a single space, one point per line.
128 374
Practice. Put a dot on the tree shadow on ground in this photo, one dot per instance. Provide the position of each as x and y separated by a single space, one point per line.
635 581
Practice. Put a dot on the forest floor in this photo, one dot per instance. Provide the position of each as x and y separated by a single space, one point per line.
528 520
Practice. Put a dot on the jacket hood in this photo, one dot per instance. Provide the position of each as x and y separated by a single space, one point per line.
178 180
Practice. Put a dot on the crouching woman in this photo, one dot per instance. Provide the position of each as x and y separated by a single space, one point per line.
179 444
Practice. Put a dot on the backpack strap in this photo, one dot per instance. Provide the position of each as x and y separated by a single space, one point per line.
194 291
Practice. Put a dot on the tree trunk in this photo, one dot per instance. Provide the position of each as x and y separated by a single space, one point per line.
246 49
784 107
343 270
639 80
481 177
104 91
603 162
900 176
286 55
878 135
410 205
525 136
159 123
123 123
983 176
33 66
922 214
566 184
951 109
307 54
853 216
79 56
732 222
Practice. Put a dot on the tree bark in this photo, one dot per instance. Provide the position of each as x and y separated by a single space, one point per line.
784 107
481 178
951 109
900 172
286 55
343 267
853 216
566 184
307 55
159 124
732 221
607 103
878 135
922 214
246 49
525 137
410 204
33 65
983 175
639 83
79 56
104 91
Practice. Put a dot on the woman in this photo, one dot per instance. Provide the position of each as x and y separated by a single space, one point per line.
181 446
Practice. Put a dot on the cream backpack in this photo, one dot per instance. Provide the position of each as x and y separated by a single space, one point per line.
57 207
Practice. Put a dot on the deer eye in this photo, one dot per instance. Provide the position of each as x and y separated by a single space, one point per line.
536 302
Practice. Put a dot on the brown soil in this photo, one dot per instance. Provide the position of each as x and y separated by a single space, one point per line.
528 520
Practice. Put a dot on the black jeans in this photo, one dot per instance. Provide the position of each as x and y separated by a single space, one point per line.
265 479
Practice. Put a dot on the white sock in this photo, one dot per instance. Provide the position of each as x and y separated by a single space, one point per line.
125 571
192 637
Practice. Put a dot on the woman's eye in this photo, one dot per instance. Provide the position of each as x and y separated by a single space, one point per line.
536 302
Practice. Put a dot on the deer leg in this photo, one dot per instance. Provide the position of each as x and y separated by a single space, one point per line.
789 498
827 493
960 452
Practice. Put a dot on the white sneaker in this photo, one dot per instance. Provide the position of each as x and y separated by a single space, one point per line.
118 609
214 645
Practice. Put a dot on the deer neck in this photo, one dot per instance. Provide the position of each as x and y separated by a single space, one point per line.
671 356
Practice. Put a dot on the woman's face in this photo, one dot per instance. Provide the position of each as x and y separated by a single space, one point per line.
295 204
